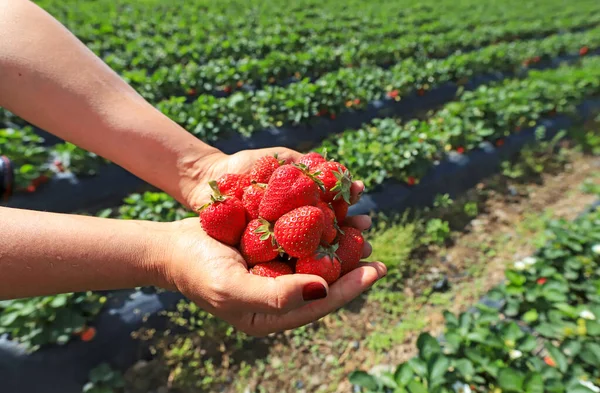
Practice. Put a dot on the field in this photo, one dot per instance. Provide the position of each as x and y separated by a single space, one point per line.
415 98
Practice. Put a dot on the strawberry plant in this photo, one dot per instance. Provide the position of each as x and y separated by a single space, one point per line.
151 206
48 320
544 337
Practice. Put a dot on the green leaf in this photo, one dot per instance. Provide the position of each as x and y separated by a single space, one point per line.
515 278
534 383
465 368
428 346
403 374
437 367
591 354
531 316
557 356
511 380
416 387
418 366
364 380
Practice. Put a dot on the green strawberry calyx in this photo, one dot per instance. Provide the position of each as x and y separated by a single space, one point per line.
215 197
265 230
330 252
311 175
342 185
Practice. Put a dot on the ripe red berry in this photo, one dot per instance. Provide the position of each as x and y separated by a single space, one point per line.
263 169
312 160
350 248
460 150
224 218
257 243
330 225
323 264
253 195
271 269
289 188
299 232
393 94
340 207
584 50
233 184
336 181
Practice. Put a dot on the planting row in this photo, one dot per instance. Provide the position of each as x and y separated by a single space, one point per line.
349 89
35 164
211 118
537 332
388 148
223 76
172 36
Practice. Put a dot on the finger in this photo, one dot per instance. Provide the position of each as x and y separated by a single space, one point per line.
341 292
281 294
367 250
356 191
362 222
379 266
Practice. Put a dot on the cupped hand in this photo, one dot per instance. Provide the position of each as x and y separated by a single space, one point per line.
216 277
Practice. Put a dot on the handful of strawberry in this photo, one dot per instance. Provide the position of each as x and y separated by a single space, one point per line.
283 217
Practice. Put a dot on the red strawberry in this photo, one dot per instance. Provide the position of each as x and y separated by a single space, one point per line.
271 269
330 224
252 197
264 168
289 187
233 184
224 218
257 244
299 232
584 50
336 180
350 248
340 207
312 160
323 264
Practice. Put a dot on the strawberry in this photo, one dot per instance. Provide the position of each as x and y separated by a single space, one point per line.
336 180
264 168
323 263
224 218
252 197
289 187
299 232
350 248
340 207
271 269
330 224
233 184
312 160
257 244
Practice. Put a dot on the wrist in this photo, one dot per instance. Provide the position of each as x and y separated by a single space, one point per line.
157 255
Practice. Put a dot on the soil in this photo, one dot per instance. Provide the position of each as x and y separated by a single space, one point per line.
319 357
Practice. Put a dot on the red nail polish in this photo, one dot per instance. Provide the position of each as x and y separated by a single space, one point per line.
314 291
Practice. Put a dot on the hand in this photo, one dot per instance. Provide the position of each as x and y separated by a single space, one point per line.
216 277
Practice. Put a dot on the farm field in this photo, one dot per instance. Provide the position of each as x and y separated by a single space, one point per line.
396 91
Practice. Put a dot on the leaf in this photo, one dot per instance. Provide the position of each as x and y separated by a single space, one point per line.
418 366
511 380
465 368
428 346
403 374
416 387
591 354
534 383
364 380
515 278
437 367
557 356
531 316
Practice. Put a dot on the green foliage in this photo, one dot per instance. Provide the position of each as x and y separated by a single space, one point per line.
48 320
437 231
549 343
151 206
103 379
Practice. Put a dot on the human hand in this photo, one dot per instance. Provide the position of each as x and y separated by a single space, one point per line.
216 277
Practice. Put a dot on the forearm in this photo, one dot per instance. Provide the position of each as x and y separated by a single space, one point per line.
46 253
50 78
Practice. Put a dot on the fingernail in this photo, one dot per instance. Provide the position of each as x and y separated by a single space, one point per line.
314 291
